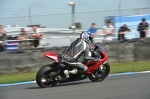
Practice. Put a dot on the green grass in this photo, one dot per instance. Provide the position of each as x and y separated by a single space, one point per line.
115 68
21 77
129 67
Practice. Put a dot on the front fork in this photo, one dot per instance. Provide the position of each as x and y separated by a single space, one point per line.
91 69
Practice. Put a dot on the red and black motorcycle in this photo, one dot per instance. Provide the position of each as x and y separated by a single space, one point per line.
50 75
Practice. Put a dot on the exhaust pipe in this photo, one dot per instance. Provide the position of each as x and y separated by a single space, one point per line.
59 78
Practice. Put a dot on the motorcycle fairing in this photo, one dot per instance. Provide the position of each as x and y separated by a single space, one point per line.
52 55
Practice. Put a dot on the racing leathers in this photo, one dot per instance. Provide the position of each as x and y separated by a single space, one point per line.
77 54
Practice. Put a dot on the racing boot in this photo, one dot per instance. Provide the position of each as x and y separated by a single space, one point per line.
74 71
67 73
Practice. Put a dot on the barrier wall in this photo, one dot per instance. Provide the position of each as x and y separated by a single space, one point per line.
126 51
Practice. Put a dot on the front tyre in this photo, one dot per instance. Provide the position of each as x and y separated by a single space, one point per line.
101 73
44 77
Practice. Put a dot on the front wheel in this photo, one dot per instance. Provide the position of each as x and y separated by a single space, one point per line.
101 73
44 77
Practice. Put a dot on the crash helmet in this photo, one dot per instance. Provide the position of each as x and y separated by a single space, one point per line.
87 37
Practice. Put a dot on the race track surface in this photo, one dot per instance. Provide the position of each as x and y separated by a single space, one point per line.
135 86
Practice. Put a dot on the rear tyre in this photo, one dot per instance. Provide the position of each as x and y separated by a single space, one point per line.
44 77
101 73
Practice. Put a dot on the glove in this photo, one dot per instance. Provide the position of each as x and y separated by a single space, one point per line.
96 59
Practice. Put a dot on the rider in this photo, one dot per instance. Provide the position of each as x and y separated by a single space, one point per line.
77 53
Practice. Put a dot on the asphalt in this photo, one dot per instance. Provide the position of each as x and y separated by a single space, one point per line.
133 86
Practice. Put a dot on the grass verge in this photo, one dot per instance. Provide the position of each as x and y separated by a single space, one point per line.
115 68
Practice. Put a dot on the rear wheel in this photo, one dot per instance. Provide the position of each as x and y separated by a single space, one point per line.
101 73
45 77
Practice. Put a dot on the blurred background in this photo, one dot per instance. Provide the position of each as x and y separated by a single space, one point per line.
58 17
57 14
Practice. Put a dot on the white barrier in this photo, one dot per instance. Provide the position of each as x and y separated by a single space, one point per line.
135 32
99 37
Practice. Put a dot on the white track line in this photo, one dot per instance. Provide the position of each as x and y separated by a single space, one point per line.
31 82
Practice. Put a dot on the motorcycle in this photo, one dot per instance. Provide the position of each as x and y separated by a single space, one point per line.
51 74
